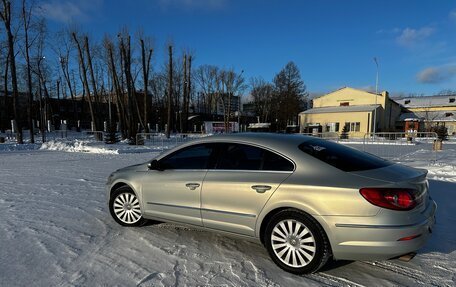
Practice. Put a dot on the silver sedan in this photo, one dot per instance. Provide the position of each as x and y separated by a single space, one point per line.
306 199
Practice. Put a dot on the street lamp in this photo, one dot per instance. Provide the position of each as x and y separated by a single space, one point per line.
376 93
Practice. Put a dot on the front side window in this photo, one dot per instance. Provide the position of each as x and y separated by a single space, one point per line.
246 157
193 157
342 157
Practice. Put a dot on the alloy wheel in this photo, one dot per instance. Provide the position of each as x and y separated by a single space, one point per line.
126 208
293 243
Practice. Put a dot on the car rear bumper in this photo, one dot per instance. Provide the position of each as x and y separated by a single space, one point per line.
379 242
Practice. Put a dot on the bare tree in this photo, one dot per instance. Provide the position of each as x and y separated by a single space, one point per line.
206 76
120 103
5 16
145 58
83 74
64 49
234 84
262 94
134 114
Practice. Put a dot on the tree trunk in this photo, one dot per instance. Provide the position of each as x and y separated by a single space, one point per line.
5 98
66 75
29 73
184 128
146 69
6 18
170 89
92 75
120 104
189 91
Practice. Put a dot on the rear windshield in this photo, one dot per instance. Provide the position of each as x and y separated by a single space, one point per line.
342 157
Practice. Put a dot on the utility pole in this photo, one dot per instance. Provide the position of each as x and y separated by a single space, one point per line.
376 94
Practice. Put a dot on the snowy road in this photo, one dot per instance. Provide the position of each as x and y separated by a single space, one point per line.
55 230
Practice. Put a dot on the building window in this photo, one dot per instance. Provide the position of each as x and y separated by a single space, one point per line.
451 100
332 127
344 104
407 102
353 126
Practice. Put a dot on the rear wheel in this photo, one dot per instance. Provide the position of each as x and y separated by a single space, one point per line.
124 207
296 242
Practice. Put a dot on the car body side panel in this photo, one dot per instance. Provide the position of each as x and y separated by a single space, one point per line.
165 195
367 239
230 203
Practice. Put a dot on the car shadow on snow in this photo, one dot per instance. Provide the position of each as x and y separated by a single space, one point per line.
443 238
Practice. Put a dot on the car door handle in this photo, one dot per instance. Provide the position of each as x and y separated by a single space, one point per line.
192 186
261 188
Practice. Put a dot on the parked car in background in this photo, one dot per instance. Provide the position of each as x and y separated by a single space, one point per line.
306 199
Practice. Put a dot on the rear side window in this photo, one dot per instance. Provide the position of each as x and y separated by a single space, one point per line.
246 157
342 157
241 157
273 161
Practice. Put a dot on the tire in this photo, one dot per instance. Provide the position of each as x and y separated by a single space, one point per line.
125 208
296 242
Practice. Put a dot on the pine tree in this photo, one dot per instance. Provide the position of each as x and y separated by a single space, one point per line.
442 132
344 133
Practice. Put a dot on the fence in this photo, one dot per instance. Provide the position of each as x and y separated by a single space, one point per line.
161 142
402 146
392 146
327 135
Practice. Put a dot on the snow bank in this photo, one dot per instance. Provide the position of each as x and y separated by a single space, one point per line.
443 168
77 146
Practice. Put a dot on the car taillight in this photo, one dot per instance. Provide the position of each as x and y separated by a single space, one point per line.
391 198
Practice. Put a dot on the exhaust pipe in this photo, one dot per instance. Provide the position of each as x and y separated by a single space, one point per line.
407 257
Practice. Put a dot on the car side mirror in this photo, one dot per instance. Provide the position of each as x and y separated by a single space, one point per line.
154 165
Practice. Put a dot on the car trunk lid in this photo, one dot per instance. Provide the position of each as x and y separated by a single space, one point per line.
397 175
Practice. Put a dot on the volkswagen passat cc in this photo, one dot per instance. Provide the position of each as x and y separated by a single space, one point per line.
306 199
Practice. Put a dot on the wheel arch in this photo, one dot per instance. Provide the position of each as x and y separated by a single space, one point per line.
267 217
120 184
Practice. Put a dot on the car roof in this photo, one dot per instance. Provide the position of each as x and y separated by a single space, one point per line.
285 144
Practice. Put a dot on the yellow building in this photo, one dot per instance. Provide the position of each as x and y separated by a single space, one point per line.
355 109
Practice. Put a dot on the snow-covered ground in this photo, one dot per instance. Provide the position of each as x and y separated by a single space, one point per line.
55 230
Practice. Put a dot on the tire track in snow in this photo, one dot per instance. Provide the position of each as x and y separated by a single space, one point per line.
331 280
418 277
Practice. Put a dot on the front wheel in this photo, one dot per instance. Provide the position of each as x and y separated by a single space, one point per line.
124 207
296 242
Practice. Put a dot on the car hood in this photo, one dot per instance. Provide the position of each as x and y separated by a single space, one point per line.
394 173
136 167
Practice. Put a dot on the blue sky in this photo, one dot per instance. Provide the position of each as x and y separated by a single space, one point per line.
332 42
